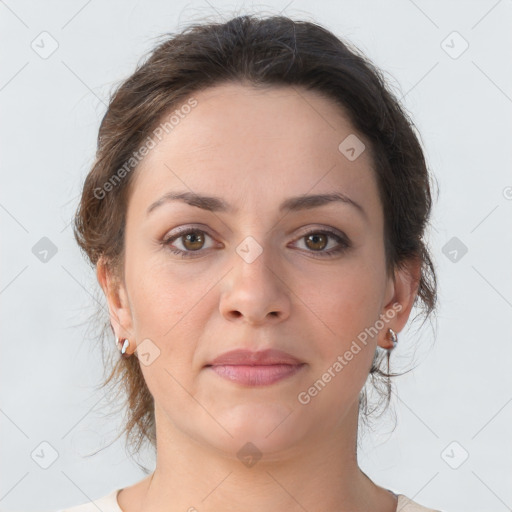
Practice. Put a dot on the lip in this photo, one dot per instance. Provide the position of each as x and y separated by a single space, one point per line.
260 368
255 375
260 358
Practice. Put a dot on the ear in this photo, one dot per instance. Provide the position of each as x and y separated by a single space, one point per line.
117 299
401 293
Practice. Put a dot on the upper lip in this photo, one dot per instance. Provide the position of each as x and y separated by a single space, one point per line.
259 358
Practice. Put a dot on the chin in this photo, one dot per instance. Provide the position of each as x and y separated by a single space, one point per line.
269 429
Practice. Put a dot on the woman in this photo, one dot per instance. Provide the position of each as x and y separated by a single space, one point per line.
255 215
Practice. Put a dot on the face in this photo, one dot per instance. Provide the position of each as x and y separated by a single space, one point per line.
255 268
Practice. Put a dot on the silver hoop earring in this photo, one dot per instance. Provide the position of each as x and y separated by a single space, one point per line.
123 348
394 338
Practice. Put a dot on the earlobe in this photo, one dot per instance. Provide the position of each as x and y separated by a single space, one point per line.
405 289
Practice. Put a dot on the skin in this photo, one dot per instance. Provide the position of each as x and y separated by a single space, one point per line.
255 148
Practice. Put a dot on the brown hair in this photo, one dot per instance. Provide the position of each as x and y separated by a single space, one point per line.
261 51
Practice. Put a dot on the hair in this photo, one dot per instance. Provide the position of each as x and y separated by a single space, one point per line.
261 52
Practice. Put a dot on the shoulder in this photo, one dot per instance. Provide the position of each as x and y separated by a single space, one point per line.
107 503
405 504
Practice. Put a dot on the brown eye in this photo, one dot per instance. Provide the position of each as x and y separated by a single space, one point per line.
193 241
316 241
188 241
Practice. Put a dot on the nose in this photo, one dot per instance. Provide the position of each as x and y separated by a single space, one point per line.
255 291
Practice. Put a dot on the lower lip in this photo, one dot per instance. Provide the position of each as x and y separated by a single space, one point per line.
257 375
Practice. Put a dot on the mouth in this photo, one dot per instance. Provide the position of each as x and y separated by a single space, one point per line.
255 375
260 368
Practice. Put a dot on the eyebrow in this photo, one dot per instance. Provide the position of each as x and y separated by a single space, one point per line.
292 204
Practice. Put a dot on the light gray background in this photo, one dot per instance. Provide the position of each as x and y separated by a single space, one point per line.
50 111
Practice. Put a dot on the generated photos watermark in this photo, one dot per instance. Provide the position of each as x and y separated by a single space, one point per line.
170 122
304 397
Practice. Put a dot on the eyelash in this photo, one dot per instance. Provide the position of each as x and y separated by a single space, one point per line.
344 244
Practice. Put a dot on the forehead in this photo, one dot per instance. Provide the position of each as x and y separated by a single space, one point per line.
256 145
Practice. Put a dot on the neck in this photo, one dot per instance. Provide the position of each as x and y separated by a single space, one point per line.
320 475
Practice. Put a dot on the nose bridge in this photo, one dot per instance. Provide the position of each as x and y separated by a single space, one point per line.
254 265
253 262
254 288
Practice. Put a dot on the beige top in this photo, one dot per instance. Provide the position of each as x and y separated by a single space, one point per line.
109 504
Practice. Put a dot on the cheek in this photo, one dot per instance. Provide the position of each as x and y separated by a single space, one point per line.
157 307
162 294
170 307
165 310
349 306
351 298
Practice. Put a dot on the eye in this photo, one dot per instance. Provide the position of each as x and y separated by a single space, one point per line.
318 240
191 239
